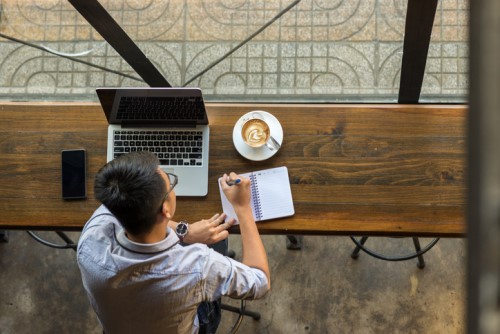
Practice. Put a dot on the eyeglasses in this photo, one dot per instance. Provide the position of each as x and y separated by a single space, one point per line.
173 182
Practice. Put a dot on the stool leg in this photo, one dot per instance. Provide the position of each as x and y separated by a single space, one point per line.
254 315
355 252
421 262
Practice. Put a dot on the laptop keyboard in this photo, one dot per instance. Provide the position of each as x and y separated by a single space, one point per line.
160 108
173 148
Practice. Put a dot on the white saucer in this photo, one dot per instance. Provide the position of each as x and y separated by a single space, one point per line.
259 153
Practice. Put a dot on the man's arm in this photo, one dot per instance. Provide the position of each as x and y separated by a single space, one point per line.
254 253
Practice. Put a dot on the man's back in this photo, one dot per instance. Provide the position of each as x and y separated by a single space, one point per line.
155 288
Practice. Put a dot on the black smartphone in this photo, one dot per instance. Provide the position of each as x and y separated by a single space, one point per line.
74 174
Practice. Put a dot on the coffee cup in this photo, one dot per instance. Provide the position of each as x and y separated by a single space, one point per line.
256 132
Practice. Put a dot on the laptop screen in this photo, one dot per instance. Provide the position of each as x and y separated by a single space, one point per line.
106 97
153 106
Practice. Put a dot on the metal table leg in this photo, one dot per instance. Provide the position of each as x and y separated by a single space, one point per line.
4 236
294 242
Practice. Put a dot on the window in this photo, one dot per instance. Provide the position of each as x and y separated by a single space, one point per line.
303 51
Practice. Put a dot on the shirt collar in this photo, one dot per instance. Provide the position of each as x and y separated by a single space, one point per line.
171 240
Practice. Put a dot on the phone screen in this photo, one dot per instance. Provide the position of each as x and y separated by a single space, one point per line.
73 174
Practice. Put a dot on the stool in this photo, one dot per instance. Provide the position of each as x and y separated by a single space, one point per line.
419 252
242 312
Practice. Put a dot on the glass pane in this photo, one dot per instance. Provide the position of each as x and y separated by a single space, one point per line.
316 51
446 75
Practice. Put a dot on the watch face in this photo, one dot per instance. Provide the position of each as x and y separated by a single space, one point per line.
182 228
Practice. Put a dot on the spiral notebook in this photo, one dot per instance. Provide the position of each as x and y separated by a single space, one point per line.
271 195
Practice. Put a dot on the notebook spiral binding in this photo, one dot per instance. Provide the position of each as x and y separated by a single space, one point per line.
255 195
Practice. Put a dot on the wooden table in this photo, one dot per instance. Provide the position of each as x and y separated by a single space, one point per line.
392 170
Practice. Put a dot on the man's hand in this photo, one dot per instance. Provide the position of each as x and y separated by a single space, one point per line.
209 231
239 194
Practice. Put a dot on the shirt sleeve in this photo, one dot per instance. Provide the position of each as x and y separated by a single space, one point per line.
227 277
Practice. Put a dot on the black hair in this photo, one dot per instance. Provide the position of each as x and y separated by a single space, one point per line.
132 189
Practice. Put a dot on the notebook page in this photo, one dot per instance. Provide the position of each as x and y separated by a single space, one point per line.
275 195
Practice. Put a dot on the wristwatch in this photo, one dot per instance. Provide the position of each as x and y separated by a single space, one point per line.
182 229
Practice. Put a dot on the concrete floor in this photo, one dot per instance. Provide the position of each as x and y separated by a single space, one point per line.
319 289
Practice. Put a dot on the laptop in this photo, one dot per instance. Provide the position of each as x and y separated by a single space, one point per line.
170 122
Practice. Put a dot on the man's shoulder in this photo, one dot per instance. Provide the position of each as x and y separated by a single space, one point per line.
97 236
102 224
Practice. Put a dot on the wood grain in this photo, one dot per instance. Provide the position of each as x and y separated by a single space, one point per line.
354 169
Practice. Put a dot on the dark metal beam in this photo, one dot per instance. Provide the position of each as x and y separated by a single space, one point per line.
111 31
419 21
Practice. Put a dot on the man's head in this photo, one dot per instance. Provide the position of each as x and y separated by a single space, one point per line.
133 188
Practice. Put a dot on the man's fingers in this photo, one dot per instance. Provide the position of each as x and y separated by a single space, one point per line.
223 227
214 218
218 219
223 181
223 235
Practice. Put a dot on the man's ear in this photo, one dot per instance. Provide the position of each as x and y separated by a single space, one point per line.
165 210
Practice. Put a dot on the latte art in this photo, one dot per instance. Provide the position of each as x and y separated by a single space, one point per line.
255 132
256 135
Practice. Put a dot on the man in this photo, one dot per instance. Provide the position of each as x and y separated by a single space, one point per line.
144 272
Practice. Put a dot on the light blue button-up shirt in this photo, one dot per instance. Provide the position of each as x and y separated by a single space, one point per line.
155 288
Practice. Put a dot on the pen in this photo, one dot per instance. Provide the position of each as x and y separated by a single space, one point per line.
233 182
